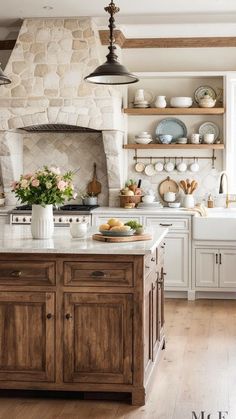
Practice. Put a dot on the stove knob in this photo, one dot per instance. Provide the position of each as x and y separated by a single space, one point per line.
16 219
77 220
60 220
24 220
70 220
30 220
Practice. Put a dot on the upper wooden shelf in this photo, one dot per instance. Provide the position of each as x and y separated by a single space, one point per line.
174 146
174 111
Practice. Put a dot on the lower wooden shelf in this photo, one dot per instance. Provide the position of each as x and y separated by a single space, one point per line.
174 146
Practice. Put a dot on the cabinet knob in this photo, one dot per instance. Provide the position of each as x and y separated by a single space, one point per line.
49 316
68 316
153 259
16 274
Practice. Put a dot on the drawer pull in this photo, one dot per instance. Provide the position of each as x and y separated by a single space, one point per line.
68 316
220 259
153 259
98 274
216 258
165 225
49 316
16 274
147 267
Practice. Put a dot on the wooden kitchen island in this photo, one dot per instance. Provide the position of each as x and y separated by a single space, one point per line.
80 315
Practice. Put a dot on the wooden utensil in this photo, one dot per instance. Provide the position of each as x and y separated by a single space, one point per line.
134 238
94 187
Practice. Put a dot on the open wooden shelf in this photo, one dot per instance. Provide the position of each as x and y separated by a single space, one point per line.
174 146
174 111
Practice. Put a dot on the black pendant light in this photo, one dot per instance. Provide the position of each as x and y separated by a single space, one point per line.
111 72
3 79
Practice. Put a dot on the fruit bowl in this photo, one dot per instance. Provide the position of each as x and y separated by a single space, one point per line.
127 199
117 233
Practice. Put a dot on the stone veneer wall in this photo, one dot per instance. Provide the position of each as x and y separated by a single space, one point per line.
47 67
69 151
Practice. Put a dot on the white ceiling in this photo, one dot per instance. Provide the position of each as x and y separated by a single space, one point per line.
146 9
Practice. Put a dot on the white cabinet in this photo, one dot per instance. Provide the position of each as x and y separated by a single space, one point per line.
176 261
207 268
215 268
177 251
227 268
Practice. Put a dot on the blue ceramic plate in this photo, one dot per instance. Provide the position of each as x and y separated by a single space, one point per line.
117 233
172 126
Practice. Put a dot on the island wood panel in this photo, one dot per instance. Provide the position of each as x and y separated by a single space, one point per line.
26 336
98 338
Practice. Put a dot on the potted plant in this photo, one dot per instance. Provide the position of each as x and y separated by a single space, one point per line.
43 189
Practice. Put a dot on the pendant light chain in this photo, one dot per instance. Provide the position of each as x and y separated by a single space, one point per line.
112 10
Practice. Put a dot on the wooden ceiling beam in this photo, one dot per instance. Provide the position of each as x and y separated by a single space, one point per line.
197 42
7 44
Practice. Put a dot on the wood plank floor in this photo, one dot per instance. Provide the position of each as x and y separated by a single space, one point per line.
197 372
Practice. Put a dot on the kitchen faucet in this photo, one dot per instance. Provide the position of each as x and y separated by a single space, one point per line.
221 188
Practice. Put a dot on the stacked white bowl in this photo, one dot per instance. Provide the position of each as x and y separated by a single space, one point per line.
143 138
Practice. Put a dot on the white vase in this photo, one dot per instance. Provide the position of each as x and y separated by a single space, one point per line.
188 201
160 102
42 225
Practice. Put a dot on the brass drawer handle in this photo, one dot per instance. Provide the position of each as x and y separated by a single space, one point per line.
16 274
165 225
98 274
68 316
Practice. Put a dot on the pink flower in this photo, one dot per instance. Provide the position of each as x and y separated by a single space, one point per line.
28 175
62 185
14 185
35 183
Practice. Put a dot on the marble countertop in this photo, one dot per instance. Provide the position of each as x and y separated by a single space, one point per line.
5 209
18 239
136 211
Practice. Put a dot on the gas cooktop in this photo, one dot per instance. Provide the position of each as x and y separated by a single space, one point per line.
83 209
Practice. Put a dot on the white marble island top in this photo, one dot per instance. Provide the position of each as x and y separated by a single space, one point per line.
18 239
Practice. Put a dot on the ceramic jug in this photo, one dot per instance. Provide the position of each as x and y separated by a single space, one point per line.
160 102
207 101
139 96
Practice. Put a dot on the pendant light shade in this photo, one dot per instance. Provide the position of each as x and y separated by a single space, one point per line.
4 79
111 72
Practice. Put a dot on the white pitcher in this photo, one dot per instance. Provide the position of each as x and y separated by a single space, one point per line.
139 96
160 102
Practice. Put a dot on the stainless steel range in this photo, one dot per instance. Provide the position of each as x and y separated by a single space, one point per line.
62 216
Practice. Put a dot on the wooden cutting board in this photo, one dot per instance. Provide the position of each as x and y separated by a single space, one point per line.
94 186
134 238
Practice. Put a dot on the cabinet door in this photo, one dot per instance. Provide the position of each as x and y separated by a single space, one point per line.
177 260
227 264
206 262
98 338
26 336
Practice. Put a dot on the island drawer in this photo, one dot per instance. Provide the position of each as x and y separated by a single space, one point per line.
173 224
98 274
25 272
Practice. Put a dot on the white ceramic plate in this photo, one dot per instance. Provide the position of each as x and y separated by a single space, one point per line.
202 90
139 167
150 170
117 233
209 128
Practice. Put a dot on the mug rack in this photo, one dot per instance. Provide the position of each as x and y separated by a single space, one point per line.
151 158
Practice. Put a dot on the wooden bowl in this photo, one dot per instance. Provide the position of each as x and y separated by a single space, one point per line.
126 199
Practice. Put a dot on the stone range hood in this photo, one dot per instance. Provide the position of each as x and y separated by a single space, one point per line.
47 67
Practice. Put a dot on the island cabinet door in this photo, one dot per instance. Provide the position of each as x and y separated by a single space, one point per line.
27 336
98 330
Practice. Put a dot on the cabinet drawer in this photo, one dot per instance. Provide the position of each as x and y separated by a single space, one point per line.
174 224
98 274
150 263
27 273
